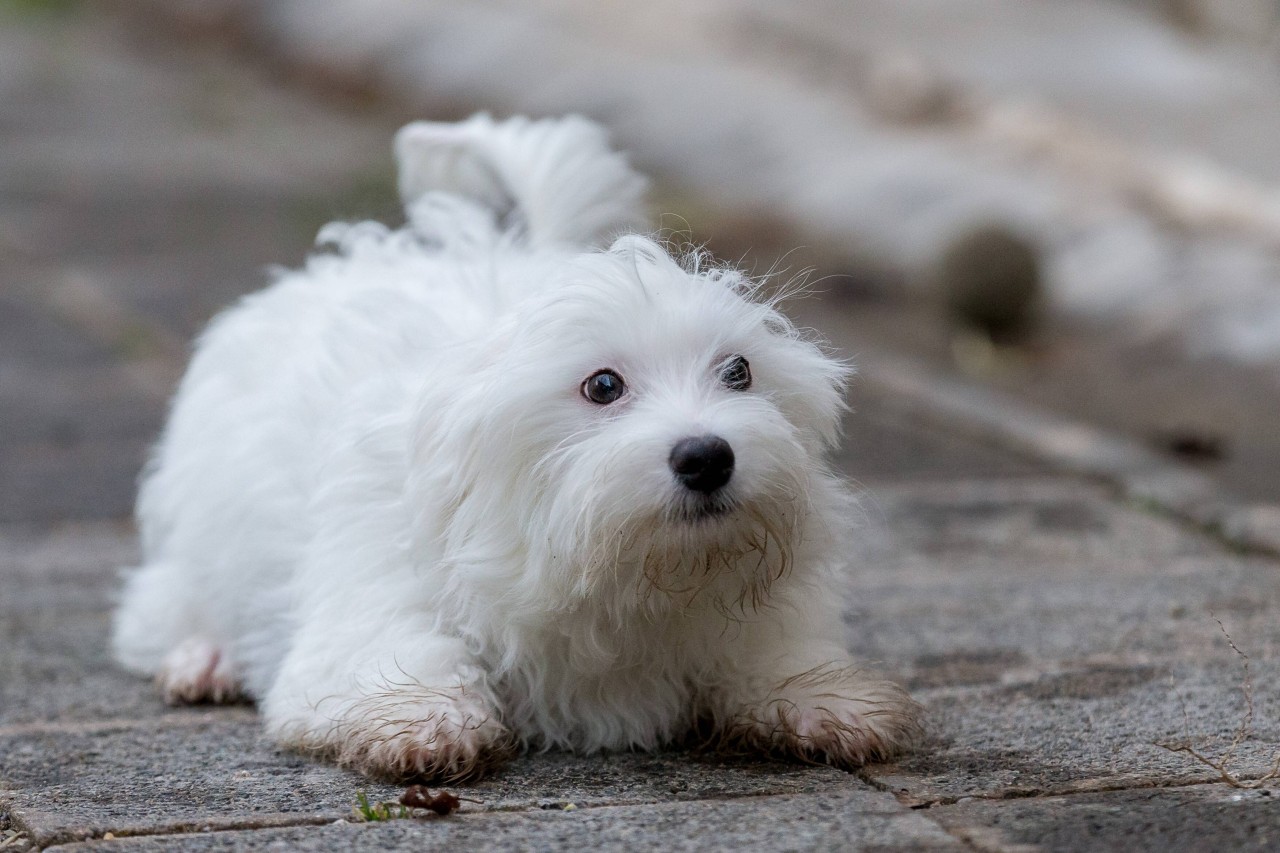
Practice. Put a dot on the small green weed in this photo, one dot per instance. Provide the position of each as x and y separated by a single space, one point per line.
374 812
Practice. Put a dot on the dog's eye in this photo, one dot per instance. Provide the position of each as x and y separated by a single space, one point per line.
603 387
736 374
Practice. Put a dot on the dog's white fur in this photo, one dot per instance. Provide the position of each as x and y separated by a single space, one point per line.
383 508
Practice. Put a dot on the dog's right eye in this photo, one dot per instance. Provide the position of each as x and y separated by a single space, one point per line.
603 387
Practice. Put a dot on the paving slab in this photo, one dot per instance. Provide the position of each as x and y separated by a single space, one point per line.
1023 573
1056 635
56 586
87 106
87 552
1086 731
97 479
1175 820
64 406
66 782
847 820
215 769
158 181
57 667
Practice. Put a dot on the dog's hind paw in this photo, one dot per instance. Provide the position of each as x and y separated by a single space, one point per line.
197 670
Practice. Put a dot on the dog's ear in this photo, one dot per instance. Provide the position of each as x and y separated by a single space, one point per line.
809 386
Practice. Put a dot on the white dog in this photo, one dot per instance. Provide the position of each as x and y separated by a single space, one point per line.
472 485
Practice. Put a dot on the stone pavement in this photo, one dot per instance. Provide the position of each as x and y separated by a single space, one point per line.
1058 623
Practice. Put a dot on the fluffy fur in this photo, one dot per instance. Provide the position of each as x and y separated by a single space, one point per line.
384 509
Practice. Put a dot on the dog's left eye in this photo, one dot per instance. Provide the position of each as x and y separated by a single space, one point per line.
736 374
603 387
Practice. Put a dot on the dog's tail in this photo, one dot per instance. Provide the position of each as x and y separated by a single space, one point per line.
555 181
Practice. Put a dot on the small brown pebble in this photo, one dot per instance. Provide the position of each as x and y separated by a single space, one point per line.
421 797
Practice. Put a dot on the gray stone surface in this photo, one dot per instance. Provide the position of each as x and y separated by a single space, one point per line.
142 189
1055 635
1178 820
849 820
55 665
1054 570
176 775
213 768
1086 730
54 618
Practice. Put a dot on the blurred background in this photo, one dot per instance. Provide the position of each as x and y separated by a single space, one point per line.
1076 202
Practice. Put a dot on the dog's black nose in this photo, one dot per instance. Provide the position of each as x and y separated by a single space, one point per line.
703 463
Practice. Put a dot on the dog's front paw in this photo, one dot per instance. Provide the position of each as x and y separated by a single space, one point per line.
832 716
445 735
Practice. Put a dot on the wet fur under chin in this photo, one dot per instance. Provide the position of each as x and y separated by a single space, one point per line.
383 509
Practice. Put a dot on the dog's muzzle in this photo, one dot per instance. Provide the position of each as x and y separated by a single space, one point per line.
702 463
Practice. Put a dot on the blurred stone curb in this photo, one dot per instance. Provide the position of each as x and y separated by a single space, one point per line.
1139 474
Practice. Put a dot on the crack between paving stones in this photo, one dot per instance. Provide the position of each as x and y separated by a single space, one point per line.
964 837
905 797
178 829
280 820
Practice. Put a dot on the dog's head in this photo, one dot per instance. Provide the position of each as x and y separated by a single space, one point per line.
638 424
